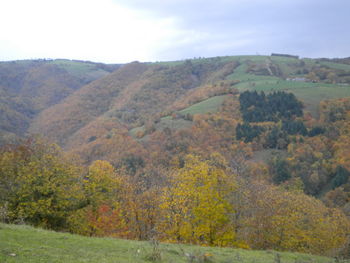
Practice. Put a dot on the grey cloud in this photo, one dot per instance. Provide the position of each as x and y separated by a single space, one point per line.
307 28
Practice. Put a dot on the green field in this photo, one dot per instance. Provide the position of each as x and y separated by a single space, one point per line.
336 65
310 93
24 244
210 105
80 69
206 106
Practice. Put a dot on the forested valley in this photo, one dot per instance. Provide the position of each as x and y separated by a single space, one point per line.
250 152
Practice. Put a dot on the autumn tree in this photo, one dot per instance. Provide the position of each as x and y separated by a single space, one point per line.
40 185
102 214
196 207
312 161
141 206
283 220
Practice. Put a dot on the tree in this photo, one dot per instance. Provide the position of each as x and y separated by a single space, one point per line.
102 214
341 176
258 107
196 207
101 183
276 139
248 132
280 170
282 220
41 184
312 162
317 130
295 127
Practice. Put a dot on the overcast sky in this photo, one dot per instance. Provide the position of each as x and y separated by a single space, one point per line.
119 31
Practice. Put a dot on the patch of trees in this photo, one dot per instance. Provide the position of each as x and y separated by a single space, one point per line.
322 162
276 139
323 73
259 107
279 170
39 185
282 109
296 127
200 202
341 176
335 110
247 132
317 130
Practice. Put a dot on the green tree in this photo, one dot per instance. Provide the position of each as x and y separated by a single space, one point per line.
41 185
341 176
280 170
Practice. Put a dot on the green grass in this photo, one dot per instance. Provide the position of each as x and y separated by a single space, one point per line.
206 106
79 68
336 65
29 245
310 93
312 96
174 124
223 59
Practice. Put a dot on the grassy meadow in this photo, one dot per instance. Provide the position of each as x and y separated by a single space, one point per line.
31 245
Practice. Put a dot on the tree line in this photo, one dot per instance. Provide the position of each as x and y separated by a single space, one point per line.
201 201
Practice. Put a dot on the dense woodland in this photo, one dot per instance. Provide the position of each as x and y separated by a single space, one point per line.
258 171
200 201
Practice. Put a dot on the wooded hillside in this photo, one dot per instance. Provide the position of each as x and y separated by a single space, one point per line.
247 151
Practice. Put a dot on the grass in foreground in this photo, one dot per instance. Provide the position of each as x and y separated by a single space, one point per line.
27 244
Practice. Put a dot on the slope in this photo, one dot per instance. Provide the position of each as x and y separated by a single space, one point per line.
27 244
30 86
132 95
139 97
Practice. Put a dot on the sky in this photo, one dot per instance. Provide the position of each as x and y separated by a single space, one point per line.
121 31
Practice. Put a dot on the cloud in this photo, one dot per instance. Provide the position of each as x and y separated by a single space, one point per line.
302 27
79 29
126 30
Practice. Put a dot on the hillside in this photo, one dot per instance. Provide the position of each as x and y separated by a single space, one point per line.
27 87
138 94
133 95
147 109
27 244
242 151
127 106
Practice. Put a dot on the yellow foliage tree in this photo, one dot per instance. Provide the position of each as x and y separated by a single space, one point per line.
101 183
282 220
102 215
196 207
